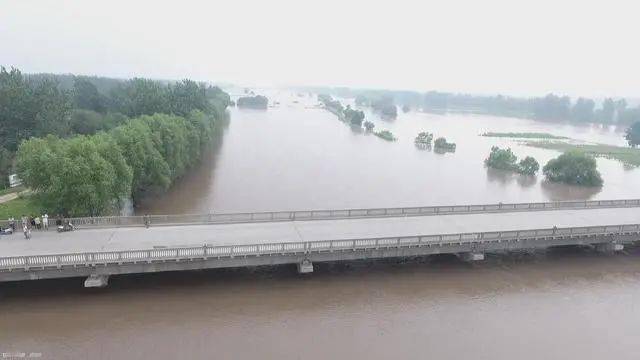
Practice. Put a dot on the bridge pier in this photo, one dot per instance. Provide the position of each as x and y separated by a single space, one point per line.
471 256
96 280
305 266
609 248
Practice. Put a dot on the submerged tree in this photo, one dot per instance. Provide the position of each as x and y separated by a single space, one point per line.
528 166
503 159
632 134
575 168
353 117
424 139
368 125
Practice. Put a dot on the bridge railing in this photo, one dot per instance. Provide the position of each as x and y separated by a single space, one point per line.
226 218
296 248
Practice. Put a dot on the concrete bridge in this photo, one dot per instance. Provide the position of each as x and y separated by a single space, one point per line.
122 245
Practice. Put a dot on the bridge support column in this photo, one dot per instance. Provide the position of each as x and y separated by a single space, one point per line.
305 266
96 280
471 256
609 248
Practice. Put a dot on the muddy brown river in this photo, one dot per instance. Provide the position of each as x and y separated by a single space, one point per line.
560 304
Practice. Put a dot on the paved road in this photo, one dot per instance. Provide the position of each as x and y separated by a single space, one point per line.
252 233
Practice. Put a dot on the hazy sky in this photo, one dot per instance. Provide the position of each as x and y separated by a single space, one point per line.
516 47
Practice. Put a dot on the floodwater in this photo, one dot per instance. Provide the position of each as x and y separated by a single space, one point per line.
295 157
560 304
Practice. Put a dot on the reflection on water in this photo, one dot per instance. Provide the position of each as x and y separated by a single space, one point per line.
504 177
296 156
557 192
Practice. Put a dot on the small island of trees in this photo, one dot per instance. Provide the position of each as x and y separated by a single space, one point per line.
505 159
441 145
386 135
574 168
423 140
253 102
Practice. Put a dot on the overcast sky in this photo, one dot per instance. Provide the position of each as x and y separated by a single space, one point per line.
589 48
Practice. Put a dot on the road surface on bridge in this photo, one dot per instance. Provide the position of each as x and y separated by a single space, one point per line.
132 238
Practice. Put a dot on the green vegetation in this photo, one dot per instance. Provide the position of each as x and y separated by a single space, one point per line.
23 205
381 103
424 139
505 159
442 145
332 105
575 168
368 125
253 102
90 175
385 106
386 135
65 105
549 108
528 166
523 135
628 156
353 117
632 135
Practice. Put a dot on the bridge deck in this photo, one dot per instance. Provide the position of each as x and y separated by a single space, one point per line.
115 239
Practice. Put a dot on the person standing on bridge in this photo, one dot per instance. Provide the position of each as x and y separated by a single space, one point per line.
45 221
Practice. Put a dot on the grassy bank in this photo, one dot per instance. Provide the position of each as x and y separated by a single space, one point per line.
626 155
23 205
524 135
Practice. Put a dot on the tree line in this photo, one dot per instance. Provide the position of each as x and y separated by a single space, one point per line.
550 107
93 174
37 105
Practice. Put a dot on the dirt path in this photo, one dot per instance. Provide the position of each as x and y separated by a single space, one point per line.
8 197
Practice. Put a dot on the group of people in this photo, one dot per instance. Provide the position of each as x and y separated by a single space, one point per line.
27 223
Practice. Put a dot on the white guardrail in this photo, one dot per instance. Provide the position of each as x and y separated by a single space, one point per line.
293 248
224 218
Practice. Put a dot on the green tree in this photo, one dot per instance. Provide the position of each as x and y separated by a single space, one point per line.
528 166
186 96
502 159
573 167
86 95
353 117
582 110
632 134
75 176
150 170
369 125
5 167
